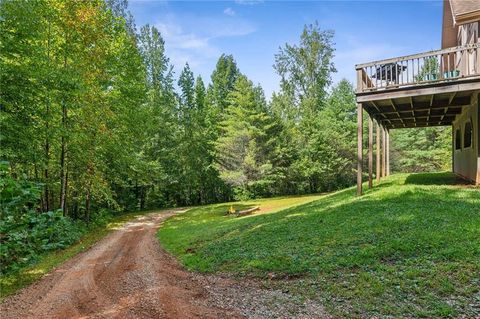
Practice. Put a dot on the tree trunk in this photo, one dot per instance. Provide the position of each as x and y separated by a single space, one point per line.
47 157
142 197
63 169
65 193
63 173
87 207
47 133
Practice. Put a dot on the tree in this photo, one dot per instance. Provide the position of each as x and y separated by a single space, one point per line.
245 145
305 72
82 80
162 124
223 79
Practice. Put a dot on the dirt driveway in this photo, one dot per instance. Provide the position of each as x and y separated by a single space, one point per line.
125 275
128 275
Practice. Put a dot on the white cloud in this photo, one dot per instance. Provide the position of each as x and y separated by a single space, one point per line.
229 12
186 42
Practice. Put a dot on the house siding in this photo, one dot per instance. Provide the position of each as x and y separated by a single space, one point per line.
466 161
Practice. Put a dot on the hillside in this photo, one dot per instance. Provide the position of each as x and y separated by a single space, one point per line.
409 247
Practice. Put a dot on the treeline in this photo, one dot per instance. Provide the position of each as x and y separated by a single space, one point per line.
93 113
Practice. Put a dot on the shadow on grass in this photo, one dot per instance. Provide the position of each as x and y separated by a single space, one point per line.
441 178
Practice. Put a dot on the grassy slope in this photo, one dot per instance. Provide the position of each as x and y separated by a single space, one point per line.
11 283
408 248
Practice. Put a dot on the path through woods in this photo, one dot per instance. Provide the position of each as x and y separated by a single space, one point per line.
125 275
128 275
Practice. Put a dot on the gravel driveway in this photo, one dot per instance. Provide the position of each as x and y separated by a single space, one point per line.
128 275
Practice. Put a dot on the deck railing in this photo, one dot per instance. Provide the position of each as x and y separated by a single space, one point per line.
424 68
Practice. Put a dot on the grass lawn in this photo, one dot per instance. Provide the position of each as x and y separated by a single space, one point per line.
10 283
408 248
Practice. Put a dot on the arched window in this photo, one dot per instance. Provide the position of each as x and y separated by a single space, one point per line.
458 139
468 134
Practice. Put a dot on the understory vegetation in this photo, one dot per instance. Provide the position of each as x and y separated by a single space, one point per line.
43 262
25 234
410 247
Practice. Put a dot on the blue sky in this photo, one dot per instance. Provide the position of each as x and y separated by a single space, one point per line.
200 31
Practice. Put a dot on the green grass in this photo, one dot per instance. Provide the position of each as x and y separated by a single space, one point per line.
10 283
408 248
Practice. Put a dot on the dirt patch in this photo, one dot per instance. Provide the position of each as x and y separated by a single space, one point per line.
253 300
128 275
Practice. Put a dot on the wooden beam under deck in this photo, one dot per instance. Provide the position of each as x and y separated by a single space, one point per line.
392 107
359 147
387 151
370 152
419 111
384 151
377 162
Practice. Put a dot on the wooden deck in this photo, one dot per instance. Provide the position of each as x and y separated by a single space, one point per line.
426 89
420 90
433 67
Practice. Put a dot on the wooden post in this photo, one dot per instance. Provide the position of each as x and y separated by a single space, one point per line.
359 147
453 148
384 153
378 163
370 151
387 167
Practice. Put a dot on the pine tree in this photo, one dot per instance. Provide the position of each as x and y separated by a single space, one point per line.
245 147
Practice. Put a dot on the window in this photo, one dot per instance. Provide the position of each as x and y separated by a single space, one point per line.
458 139
467 135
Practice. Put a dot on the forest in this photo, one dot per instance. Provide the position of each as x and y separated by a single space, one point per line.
95 122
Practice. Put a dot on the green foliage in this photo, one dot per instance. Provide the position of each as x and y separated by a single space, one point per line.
421 149
91 112
33 234
25 233
245 146
342 249
305 70
223 79
318 148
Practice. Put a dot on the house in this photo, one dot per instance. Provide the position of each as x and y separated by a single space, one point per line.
433 88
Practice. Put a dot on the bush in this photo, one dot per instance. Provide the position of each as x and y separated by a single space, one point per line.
25 233
24 239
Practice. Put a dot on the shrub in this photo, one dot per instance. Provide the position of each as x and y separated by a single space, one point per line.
24 239
24 232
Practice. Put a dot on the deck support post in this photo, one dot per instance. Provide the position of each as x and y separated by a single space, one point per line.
378 163
359 147
387 150
384 153
370 152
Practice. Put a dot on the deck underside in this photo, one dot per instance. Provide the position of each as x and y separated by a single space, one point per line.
419 106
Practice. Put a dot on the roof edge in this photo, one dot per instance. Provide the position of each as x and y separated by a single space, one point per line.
467 17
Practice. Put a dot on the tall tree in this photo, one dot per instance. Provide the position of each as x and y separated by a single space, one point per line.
162 125
223 79
245 147
305 71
